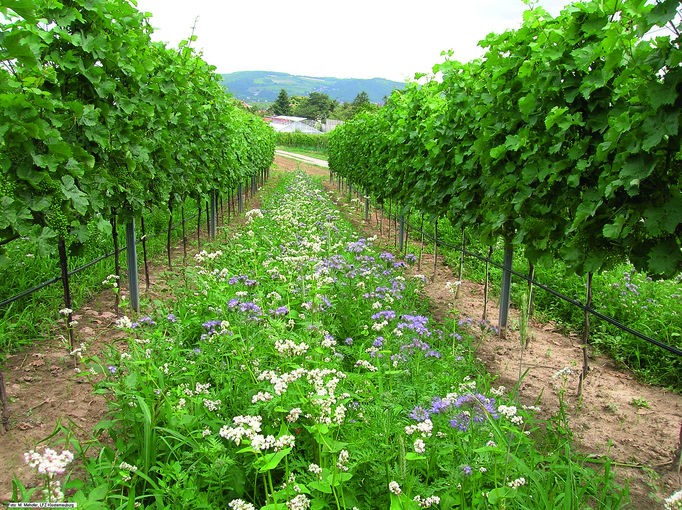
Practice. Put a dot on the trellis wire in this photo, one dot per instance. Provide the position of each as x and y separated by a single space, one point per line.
51 281
610 320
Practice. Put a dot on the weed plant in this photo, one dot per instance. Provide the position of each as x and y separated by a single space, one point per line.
297 368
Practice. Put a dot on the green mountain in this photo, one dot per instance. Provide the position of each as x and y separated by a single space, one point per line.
263 86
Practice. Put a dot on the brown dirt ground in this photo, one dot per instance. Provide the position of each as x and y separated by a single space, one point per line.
604 421
44 391
42 386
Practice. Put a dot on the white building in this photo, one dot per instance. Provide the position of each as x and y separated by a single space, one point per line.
289 124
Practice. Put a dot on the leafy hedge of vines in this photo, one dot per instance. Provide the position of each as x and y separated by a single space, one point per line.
564 138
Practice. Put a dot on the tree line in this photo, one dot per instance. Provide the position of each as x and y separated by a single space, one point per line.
318 106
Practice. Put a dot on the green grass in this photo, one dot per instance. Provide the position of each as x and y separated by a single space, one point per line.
33 317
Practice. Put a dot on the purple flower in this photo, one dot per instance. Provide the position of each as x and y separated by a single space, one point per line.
388 257
466 470
171 317
438 405
379 342
348 341
419 414
142 321
282 310
460 421
112 369
386 314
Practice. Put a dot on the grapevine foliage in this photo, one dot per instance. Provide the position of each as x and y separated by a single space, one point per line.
564 138
96 118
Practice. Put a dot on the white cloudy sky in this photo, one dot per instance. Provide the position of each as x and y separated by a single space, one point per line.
348 39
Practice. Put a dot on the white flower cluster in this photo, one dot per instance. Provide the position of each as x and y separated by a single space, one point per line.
498 392
112 279
515 484
452 286
294 414
65 311
674 502
300 502
316 470
343 460
261 396
394 487
124 323
510 413
378 326
49 463
419 446
281 383
428 502
253 214
240 504
247 426
324 382
366 364
78 352
289 348
566 371
127 467
425 428
212 405
203 255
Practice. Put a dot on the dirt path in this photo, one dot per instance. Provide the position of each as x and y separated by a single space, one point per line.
635 424
302 158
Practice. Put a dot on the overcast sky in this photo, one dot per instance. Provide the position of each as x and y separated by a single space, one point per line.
346 39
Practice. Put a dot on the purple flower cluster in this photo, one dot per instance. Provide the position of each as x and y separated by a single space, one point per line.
249 307
420 414
244 278
210 327
416 344
143 321
282 310
416 323
358 246
386 314
475 407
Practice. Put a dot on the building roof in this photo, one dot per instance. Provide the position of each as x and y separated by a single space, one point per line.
288 118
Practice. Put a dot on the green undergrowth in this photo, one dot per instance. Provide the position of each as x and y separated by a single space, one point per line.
33 316
298 367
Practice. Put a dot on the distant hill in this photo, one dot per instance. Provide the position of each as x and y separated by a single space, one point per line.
263 86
